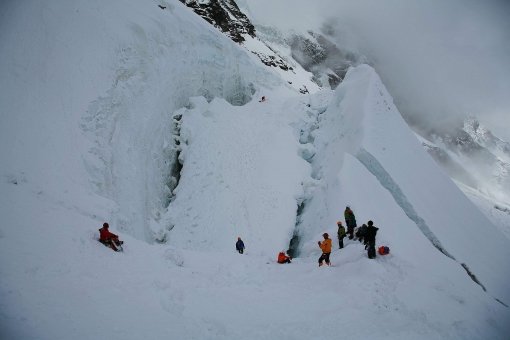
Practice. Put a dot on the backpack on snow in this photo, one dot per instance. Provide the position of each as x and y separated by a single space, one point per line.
383 250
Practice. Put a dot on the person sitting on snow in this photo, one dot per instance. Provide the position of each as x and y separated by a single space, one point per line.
282 258
109 239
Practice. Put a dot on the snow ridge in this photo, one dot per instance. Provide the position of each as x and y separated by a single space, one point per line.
374 167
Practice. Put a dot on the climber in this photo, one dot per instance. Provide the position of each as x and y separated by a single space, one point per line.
370 239
341 234
109 239
326 249
361 232
282 258
350 220
240 245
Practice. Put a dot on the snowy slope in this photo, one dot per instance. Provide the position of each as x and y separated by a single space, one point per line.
498 213
362 121
322 38
96 100
108 88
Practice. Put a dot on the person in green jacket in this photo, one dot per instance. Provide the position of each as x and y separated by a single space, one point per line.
350 220
341 234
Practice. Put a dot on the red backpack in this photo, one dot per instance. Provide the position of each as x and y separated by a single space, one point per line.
383 250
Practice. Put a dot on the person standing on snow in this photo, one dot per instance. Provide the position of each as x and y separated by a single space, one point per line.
350 220
341 234
370 239
240 245
360 234
282 258
326 249
109 239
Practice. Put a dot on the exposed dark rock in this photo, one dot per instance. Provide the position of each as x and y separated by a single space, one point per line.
273 60
219 13
320 56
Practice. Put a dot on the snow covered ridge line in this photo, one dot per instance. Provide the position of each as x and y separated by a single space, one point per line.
372 165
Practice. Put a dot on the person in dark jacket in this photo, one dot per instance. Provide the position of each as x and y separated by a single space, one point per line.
350 221
370 239
361 232
109 239
240 245
341 234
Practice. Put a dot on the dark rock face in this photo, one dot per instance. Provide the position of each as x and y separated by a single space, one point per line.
273 60
226 15
219 13
320 56
314 52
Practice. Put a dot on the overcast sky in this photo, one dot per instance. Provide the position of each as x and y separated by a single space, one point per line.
439 59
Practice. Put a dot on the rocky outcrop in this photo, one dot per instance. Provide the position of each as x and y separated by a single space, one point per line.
486 139
225 15
320 56
273 60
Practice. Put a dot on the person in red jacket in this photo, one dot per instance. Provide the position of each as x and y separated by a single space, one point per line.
282 258
109 239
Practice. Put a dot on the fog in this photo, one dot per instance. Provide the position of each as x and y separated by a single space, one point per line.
441 60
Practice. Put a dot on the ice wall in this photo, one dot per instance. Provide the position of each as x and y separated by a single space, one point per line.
88 91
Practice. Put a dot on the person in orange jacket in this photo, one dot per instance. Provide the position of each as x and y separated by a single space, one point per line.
109 239
282 258
326 249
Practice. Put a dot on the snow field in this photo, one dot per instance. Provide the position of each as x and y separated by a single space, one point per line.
83 139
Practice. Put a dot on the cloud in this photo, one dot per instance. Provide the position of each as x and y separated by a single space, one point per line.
441 60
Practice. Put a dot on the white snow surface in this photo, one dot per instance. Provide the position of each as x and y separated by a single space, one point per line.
89 93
